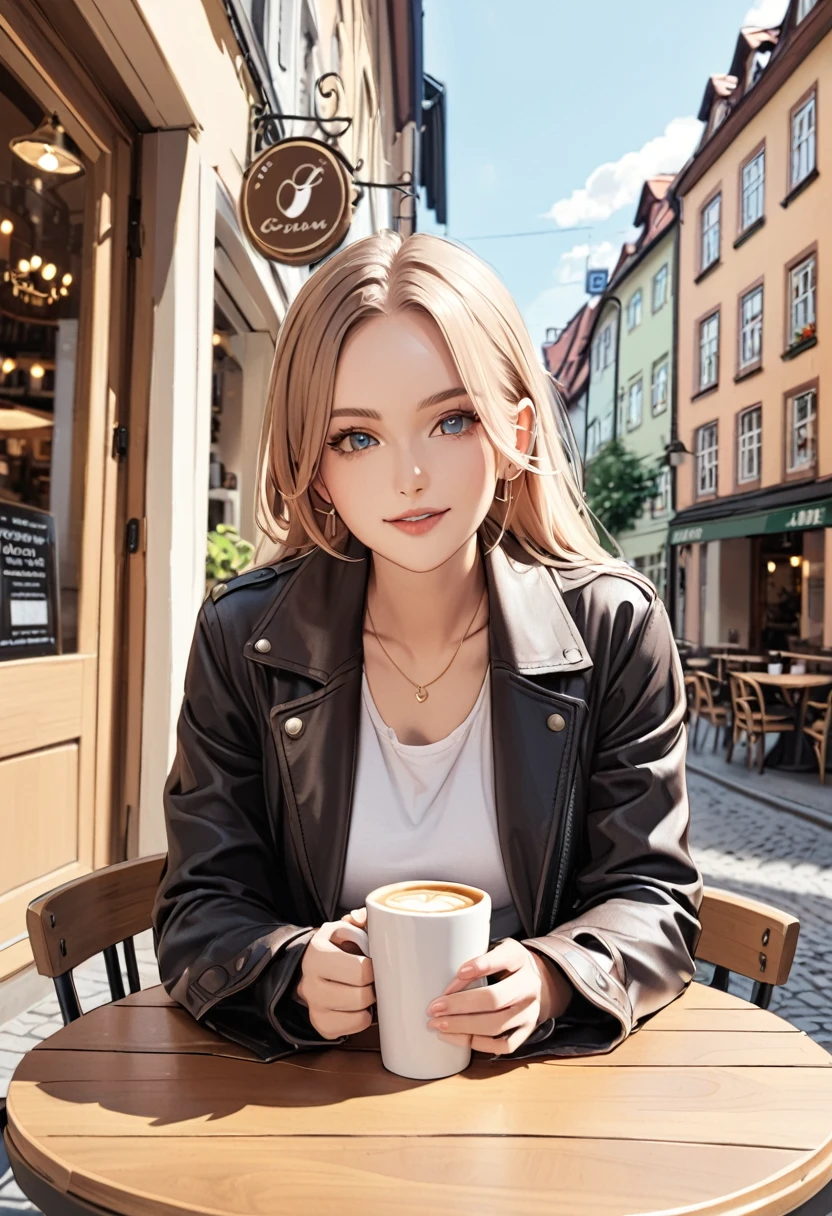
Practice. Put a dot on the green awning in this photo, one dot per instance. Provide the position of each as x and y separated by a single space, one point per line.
784 519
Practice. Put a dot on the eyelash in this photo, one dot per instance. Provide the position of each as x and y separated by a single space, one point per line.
339 438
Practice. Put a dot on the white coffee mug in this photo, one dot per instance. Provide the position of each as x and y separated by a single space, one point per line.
416 954
798 669
775 669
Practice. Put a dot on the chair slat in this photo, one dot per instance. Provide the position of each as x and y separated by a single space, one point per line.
81 918
747 936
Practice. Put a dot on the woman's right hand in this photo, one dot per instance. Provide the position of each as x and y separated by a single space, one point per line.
336 984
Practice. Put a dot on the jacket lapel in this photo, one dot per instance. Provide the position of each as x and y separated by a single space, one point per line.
314 628
535 645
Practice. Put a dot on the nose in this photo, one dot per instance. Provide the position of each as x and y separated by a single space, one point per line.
410 476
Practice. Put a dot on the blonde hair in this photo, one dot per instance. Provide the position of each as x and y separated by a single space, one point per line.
490 345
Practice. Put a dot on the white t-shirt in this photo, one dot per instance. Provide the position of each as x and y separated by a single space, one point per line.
425 811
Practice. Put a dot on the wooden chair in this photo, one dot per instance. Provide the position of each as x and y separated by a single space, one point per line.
708 707
818 731
692 698
749 938
88 916
752 717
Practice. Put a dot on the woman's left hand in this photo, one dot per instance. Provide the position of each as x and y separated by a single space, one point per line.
498 1018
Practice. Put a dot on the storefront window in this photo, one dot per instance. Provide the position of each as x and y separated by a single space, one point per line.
42 449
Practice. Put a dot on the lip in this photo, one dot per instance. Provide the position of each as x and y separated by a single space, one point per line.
417 511
418 527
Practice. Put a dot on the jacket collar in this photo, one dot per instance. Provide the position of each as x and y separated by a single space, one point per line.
315 624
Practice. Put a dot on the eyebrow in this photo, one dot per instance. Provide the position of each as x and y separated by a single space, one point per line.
434 399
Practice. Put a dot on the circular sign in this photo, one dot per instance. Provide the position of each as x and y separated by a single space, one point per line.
296 201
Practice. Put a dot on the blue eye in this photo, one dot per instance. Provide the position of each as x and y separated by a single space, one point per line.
456 424
359 440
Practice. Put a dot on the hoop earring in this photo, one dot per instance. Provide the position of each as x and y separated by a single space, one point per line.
331 525
506 481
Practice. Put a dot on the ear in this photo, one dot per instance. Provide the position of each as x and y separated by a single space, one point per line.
525 426
318 485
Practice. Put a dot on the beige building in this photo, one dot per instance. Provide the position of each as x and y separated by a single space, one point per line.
137 326
753 532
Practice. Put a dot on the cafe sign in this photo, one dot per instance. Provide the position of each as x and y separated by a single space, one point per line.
296 201
784 519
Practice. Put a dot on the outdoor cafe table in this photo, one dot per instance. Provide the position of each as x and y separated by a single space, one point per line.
713 1103
795 688
722 659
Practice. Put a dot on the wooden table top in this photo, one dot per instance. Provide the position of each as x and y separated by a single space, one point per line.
137 1108
791 680
803 658
735 657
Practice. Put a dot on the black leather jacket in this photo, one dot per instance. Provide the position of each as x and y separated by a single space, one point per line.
589 748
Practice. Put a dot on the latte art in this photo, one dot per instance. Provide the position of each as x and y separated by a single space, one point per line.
428 899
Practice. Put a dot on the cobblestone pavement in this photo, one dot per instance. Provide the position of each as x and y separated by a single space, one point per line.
739 844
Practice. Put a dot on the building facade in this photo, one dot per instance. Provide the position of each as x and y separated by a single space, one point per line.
632 356
753 533
566 358
136 337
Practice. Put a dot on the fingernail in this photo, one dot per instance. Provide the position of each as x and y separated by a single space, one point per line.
437 1007
437 1025
466 970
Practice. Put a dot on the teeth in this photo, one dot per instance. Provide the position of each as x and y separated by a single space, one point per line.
413 519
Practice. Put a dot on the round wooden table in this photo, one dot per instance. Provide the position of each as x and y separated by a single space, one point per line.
713 1105
795 688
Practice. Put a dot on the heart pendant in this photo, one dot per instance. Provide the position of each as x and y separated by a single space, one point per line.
421 694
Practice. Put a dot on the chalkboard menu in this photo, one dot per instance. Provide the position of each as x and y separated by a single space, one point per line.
29 621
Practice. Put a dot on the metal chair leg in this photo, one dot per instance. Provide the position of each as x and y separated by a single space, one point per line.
133 980
67 997
720 978
114 973
761 994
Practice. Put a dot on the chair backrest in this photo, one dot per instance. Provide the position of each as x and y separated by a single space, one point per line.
88 916
747 937
710 687
749 691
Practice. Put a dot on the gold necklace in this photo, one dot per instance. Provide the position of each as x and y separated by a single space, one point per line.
422 689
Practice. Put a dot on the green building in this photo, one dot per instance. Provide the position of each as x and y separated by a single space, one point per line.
632 354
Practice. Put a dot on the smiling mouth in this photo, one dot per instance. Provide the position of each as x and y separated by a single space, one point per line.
416 518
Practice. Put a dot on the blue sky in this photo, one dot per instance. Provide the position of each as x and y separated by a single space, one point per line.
556 113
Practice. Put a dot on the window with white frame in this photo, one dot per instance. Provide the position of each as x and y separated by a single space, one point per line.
660 505
709 351
660 280
804 7
706 459
751 327
753 185
802 296
659 386
606 428
803 438
634 310
635 401
593 438
750 443
710 232
803 141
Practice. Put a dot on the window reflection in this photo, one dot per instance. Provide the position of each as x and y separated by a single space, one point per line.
42 441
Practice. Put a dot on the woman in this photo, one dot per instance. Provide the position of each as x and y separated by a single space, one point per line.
445 677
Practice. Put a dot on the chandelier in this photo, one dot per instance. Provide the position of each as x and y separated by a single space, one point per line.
37 282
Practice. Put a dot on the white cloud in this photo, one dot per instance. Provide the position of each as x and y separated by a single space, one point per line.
617 184
572 266
765 13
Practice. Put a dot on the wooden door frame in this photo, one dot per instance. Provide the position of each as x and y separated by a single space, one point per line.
59 81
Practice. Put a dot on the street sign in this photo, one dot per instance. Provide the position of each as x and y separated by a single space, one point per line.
596 281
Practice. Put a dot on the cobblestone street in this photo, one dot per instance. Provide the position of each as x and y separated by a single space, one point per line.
739 844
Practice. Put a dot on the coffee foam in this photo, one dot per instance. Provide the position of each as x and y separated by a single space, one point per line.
427 899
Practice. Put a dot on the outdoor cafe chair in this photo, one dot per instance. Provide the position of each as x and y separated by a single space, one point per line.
818 731
89 915
753 718
709 707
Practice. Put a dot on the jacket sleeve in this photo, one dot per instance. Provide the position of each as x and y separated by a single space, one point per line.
220 871
628 950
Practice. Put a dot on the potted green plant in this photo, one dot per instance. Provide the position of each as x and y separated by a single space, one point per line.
227 554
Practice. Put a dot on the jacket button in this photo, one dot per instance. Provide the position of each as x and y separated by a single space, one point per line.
293 727
213 979
556 722
263 645
240 962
